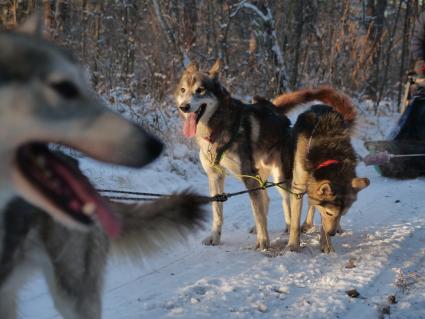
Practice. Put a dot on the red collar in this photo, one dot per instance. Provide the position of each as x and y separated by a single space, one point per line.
327 163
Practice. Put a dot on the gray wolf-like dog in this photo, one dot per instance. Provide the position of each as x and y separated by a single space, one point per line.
50 214
324 160
249 140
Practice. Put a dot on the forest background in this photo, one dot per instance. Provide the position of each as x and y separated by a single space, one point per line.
136 49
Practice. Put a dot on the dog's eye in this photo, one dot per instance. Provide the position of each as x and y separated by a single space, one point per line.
66 88
182 90
200 90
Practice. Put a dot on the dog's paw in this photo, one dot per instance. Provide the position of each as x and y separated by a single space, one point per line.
262 244
307 228
293 247
253 230
212 240
327 248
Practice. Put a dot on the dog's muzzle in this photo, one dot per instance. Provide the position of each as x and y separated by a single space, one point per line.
332 233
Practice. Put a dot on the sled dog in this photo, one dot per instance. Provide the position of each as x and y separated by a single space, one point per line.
324 160
44 98
45 200
249 140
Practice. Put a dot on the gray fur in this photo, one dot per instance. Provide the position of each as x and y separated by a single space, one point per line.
73 262
162 222
44 98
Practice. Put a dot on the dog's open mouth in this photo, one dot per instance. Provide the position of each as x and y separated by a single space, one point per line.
59 184
189 127
200 112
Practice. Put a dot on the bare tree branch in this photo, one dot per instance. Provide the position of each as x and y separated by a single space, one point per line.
182 57
269 21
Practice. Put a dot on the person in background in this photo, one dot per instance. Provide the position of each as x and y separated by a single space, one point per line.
417 45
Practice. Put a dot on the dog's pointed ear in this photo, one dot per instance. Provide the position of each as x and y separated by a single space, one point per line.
359 183
192 68
325 189
215 69
32 26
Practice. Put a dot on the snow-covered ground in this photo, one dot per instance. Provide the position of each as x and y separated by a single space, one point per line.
381 253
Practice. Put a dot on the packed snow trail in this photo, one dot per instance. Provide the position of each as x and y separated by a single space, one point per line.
383 246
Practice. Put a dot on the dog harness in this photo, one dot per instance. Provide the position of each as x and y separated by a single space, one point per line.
223 148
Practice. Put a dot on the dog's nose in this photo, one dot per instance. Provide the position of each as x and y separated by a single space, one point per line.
332 233
185 108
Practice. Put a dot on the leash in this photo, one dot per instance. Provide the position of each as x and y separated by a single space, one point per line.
141 196
263 184
214 162
147 196
381 158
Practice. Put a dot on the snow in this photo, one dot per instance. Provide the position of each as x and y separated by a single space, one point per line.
381 253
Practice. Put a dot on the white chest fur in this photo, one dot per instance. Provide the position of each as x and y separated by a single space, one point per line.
229 161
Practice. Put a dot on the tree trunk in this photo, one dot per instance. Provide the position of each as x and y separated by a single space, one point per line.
299 16
47 16
189 23
375 12
168 33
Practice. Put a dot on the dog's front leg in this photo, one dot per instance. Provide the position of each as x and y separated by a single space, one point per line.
325 242
339 229
309 220
294 230
75 272
12 275
259 204
298 186
216 186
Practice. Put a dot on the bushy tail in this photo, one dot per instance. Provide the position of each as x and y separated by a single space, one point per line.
161 223
335 99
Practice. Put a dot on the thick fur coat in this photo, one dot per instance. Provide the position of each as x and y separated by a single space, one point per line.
324 159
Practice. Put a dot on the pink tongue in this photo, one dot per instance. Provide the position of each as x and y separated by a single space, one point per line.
110 223
189 127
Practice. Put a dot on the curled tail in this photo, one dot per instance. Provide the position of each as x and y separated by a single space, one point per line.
161 223
335 99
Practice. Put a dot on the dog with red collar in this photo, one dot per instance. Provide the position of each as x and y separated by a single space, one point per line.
324 161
